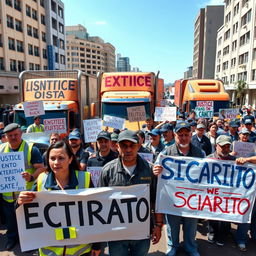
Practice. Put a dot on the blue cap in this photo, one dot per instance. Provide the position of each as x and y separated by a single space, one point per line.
166 127
193 123
182 125
104 135
74 135
248 121
233 124
155 132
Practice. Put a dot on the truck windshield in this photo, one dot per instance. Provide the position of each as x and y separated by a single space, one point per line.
26 121
217 105
120 109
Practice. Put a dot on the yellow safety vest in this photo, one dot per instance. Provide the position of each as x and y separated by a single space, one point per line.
26 148
35 128
69 250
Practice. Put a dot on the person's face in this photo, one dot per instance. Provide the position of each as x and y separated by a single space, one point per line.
14 137
59 161
154 139
193 128
168 135
54 139
74 143
183 137
244 137
248 126
37 121
1 125
149 122
4 138
233 130
223 151
200 132
213 129
219 123
113 146
128 151
226 127
103 145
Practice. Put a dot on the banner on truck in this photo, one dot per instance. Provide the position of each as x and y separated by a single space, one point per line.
93 215
92 127
206 188
11 167
33 108
114 122
55 125
204 109
136 114
165 114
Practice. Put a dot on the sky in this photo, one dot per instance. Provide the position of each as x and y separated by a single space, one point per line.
157 35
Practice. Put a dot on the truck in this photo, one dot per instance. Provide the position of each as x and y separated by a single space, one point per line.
189 91
70 95
120 90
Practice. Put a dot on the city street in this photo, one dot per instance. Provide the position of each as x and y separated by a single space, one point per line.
205 248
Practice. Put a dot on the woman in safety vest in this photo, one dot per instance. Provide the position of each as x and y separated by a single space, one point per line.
62 173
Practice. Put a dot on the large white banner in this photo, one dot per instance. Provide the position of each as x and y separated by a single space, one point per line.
33 108
165 114
11 167
95 215
206 188
114 122
92 127
55 125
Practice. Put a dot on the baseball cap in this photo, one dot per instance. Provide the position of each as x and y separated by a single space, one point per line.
192 123
182 125
104 135
233 124
200 126
223 140
114 136
74 135
248 121
128 135
244 131
155 132
11 127
166 127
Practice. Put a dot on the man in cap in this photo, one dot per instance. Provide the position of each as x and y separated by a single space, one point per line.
155 144
130 169
33 161
244 134
247 123
201 141
75 142
233 128
167 133
36 126
104 153
114 139
182 147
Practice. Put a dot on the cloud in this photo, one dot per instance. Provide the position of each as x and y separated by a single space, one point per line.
212 2
101 22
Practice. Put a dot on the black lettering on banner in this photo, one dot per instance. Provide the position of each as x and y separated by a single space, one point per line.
67 211
47 217
71 85
115 210
80 212
94 213
29 215
142 200
129 202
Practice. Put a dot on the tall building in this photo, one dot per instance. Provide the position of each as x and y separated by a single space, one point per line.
123 64
189 73
206 25
236 48
32 37
90 54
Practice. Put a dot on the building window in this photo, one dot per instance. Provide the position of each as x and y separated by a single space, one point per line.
233 62
30 49
245 38
13 65
43 37
37 67
29 30
56 57
244 3
44 54
227 34
234 45
42 3
45 68
61 28
235 28
9 22
227 18
17 5
53 6
246 18
42 19
21 66
242 76
11 43
1 42
19 45
226 50
28 10
34 14
254 54
236 9
62 44
225 65
243 58
55 40
1 63
36 51
253 74
60 12
62 59
31 66
18 25
8 2
35 32
54 23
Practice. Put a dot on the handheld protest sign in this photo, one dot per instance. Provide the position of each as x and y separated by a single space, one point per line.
165 114
114 122
33 108
136 114
92 127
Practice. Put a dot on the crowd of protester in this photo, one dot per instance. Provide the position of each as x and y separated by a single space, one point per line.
187 136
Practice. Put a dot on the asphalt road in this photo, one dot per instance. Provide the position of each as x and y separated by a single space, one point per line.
205 249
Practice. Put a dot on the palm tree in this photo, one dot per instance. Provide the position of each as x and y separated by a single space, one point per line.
241 87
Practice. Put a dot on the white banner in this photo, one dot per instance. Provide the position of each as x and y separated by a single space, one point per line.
55 125
95 174
96 214
11 167
206 188
244 149
33 108
114 122
229 113
92 127
165 114
147 156
204 109
136 114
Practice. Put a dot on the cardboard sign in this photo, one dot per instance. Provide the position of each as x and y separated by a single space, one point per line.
204 109
165 114
33 108
244 149
92 127
55 125
114 122
207 189
11 167
147 156
136 114
95 215
229 113
95 174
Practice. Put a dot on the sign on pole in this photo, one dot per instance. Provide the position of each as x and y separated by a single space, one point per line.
114 122
55 125
165 114
11 167
94 215
229 113
33 108
244 149
95 174
136 114
92 127
206 188
204 109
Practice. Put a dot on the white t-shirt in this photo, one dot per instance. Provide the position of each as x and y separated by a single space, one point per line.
130 169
